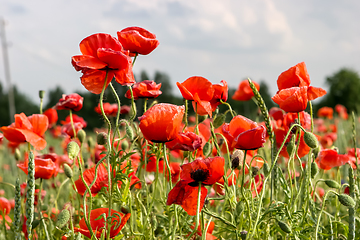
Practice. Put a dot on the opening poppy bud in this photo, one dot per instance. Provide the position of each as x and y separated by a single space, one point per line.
124 145
284 226
101 138
332 183
266 168
291 145
237 158
243 234
202 118
17 154
68 171
314 169
73 150
311 140
81 134
129 132
63 218
41 94
346 200
35 223
219 120
207 149
255 170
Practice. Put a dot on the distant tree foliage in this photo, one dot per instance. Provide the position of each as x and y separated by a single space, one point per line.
344 87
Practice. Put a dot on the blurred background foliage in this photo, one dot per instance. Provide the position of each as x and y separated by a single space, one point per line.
343 88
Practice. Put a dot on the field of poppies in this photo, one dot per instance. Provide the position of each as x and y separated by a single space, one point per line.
291 173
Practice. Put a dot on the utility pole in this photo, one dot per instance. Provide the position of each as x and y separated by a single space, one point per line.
7 70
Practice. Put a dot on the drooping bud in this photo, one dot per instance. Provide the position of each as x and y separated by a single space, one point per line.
346 200
284 226
207 149
81 134
254 170
332 183
17 154
314 169
202 118
219 120
73 150
291 146
266 168
35 223
124 145
129 132
91 142
311 140
101 138
68 171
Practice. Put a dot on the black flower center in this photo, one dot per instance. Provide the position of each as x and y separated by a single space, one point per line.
199 175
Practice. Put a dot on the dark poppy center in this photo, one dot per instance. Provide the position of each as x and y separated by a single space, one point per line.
199 175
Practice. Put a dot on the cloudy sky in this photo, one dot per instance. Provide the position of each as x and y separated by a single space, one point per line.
228 39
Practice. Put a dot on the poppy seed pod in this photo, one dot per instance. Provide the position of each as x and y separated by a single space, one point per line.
73 149
101 138
41 94
311 140
346 200
237 158
254 170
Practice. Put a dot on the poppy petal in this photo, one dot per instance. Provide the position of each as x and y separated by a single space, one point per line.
40 123
114 59
93 80
90 44
86 61
315 92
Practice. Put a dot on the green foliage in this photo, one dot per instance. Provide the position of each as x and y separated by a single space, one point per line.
344 89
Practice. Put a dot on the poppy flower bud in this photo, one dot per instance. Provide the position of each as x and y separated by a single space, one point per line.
237 158
81 134
68 171
219 120
73 149
207 149
291 145
101 138
129 132
90 142
316 151
255 170
44 207
41 94
346 200
35 223
17 154
243 234
125 210
202 118
332 183
311 140
124 145
314 169
63 218
284 226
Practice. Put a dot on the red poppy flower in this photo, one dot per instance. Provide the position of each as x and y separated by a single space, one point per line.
101 54
342 111
244 91
186 196
209 231
70 102
328 140
109 109
290 118
220 93
52 116
207 171
138 40
97 222
244 134
68 129
295 90
5 206
45 168
175 172
329 158
144 89
326 112
185 141
76 119
185 192
351 152
89 176
161 122
151 164
125 109
27 129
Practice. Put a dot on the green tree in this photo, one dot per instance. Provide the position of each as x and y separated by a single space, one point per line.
344 88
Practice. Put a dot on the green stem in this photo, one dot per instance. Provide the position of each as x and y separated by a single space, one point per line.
197 212
322 209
